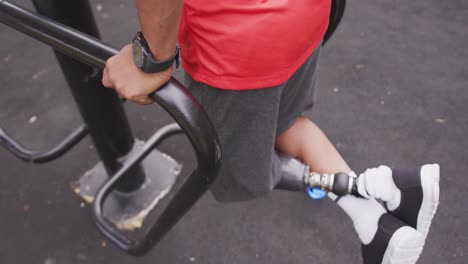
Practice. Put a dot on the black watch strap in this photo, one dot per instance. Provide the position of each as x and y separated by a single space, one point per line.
154 66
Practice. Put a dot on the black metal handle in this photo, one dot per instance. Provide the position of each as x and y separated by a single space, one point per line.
192 119
173 97
58 150
337 11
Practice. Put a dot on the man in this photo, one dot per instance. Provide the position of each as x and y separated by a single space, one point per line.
252 65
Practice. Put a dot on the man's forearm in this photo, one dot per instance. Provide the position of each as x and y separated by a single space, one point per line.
160 21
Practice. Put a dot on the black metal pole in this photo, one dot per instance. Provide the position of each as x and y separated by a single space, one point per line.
100 108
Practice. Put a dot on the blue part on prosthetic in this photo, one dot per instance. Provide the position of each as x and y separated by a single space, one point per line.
316 193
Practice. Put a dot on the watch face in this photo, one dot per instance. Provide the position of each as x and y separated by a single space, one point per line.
137 51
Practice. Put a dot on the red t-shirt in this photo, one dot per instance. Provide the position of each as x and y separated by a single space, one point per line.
250 44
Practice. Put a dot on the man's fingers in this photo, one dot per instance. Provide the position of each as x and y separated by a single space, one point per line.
143 100
106 80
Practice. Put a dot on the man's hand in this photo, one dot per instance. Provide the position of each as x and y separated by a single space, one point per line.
122 74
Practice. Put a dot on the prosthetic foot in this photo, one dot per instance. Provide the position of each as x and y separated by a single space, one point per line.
384 238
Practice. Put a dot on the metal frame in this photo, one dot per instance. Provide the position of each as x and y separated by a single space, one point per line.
42 156
101 109
172 97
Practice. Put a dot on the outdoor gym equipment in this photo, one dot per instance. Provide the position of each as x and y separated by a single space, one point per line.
133 176
108 127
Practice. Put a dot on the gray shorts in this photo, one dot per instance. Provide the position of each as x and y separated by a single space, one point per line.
247 123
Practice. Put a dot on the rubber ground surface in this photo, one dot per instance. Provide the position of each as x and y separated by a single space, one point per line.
393 90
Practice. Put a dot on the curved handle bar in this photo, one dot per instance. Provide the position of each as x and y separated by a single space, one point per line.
173 97
56 151
192 119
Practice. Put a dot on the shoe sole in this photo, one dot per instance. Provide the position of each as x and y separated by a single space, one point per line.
404 247
430 186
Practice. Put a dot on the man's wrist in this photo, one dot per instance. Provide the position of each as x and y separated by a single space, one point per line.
146 58
160 51
160 21
172 58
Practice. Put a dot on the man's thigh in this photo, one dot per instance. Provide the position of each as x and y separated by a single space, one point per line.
246 123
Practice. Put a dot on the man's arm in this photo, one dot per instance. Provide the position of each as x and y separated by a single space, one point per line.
160 21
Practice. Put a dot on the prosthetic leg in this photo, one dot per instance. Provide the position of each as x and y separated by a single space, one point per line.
296 176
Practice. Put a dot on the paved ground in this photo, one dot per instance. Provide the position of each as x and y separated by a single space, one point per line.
393 90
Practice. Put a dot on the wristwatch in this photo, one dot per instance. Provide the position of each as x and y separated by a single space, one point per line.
143 57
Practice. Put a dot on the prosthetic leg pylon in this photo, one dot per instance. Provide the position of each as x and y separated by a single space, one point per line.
296 176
